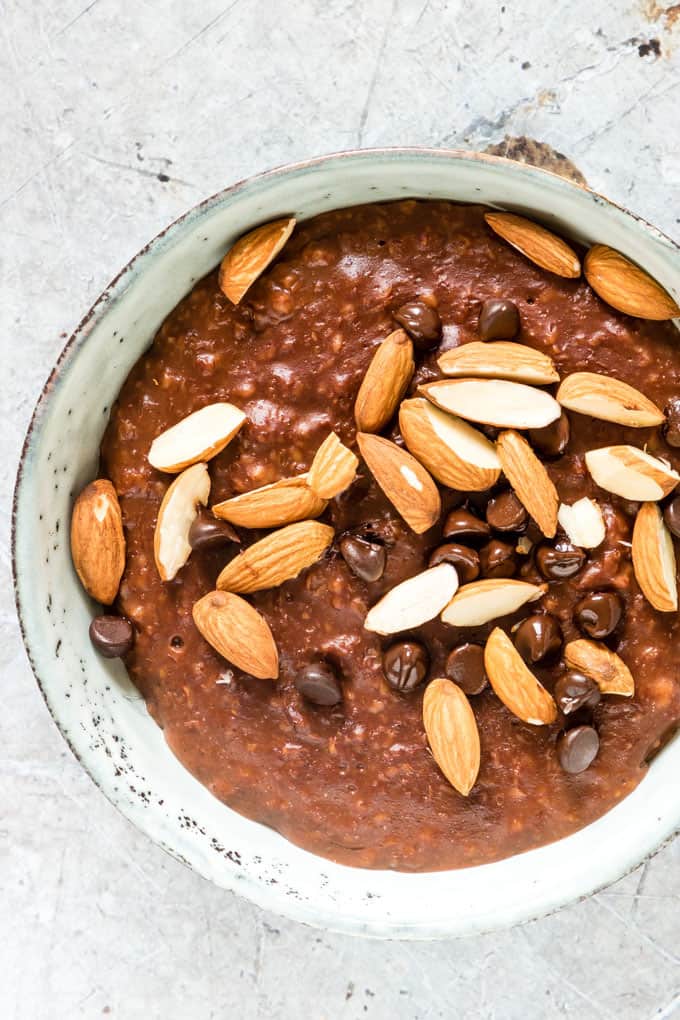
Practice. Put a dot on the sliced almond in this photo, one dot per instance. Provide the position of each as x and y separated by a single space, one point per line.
596 661
625 286
251 255
404 481
414 601
237 631
333 469
631 473
198 437
600 396
97 540
583 523
539 245
654 559
514 683
481 601
177 513
271 506
277 558
499 360
453 451
385 382
452 733
496 402
530 480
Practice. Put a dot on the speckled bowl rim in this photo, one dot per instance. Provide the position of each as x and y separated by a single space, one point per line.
251 887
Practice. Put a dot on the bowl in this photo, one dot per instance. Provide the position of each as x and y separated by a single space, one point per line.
100 713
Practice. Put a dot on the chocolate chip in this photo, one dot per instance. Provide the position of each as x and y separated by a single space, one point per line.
365 559
466 561
577 748
405 665
560 561
671 516
538 637
421 322
208 532
553 439
318 683
598 613
504 512
112 636
465 665
498 320
671 427
574 691
497 559
462 524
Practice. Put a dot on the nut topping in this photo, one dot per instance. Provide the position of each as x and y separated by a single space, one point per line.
608 671
333 469
601 396
198 437
414 601
385 382
631 473
277 558
97 540
404 481
482 601
499 360
251 255
529 479
515 684
283 502
238 632
177 513
654 559
625 286
583 523
538 244
495 402
452 734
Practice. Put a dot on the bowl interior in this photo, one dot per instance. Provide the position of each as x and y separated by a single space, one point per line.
95 705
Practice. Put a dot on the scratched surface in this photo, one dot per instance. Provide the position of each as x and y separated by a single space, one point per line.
114 118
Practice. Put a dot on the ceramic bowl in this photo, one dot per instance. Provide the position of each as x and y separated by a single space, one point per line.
92 701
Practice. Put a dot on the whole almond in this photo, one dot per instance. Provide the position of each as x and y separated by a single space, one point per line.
539 245
625 286
498 402
404 481
480 602
530 480
596 661
609 399
452 733
251 255
333 469
514 683
270 506
453 451
631 473
499 360
385 382
654 559
238 633
198 437
177 512
97 540
277 558
414 601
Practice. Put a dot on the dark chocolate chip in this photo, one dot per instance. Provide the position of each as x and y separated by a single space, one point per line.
365 559
497 559
466 561
671 427
574 691
318 683
405 665
598 613
465 665
112 636
504 512
577 748
558 562
421 322
498 320
207 532
538 637
671 516
553 439
462 524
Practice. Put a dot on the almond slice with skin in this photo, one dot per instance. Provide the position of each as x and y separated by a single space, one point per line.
539 245
198 437
583 523
271 506
385 382
452 450
251 255
238 633
631 473
499 360
404 481
452 733
333 469
482 601
530 480
497 402
414 601
98 541
515 684
654 559
595 660
609 399
171 548
625 286
277 558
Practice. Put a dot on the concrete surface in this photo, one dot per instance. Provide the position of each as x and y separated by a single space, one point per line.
115 118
